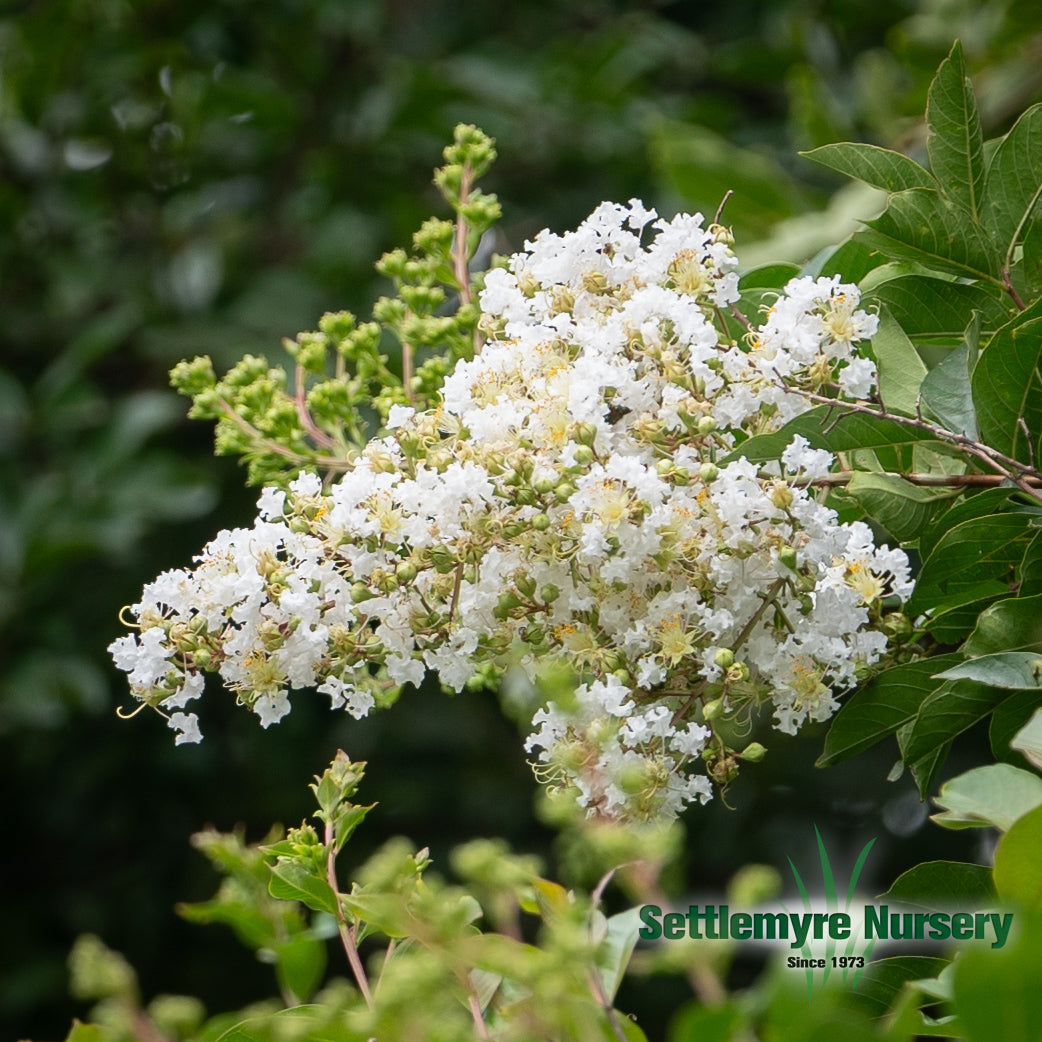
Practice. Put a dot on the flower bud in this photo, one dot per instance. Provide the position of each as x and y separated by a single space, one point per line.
724 658
583 455
713 710
709 472
787 556
541 522
754 752
706 425
586 433
548 593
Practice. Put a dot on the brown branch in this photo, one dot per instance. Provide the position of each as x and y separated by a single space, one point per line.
1006 466
844 477
347 934
1011 290
317 435
329 462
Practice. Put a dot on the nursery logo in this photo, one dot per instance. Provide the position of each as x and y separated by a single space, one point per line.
827 937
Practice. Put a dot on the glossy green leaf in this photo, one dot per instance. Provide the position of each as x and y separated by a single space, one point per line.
292 881
1007 669
947 392
942 885
924 771
1013 624
921 226
951 709
901 370
954 141
932 308
1018 861
879 167
884 704
1007 388
902 508
883 980
1028 740
1009 717
1014 183
832 429
975 505
973 560
996 794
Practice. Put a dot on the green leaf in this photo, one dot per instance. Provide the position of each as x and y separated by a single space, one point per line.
883 980
954 140
901 370
301 964
1020 670
918 225
902 508
975 505
1028 739
884 704
997 993
945 714
613 954
973 560
291 881
80 1032
1014 183
879 167
768 276
1007 387
941 885
1018 861
947 392
851 261
931 308
996 794
832 429
1009 717
924 772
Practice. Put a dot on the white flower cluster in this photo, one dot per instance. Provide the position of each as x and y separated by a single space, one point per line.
570 500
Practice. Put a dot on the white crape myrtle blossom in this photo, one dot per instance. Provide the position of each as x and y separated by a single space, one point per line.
575 498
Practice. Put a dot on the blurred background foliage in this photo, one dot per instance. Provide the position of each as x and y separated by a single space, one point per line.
208 177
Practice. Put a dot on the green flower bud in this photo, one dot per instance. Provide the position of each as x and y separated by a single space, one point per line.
541 522
549 593
713 710
443 559
583 455
586 433
753 752
360 592
709 472
706 425
406 572
724 658
787 556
